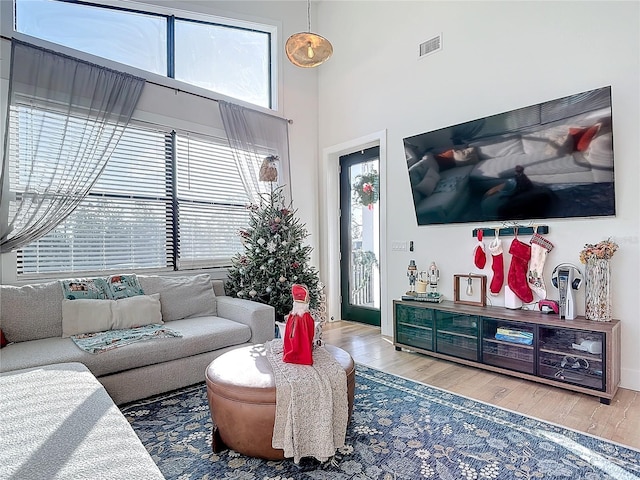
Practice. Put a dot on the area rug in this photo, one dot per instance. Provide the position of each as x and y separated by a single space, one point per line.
400 429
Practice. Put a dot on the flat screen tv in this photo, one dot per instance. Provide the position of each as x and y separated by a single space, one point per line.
549 160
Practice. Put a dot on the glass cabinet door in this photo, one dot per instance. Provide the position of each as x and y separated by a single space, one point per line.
457 334
414 327
508 345
572 356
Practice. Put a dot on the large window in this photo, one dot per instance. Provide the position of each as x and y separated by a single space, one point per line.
166 200
228 59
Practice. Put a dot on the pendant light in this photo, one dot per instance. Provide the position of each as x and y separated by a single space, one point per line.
306 49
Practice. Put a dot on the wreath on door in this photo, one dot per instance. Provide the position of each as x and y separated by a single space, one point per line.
366 189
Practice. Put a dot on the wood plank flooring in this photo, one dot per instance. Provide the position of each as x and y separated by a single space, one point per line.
618 422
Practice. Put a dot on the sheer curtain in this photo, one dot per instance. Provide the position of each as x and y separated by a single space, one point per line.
65 116
253 136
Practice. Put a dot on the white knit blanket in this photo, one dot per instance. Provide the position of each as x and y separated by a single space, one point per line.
312 408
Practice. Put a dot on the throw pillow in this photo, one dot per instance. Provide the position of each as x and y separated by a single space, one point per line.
182 296
85 288
445 160
466 156
123 286
91 315
582 136
137 311
429 182
86 316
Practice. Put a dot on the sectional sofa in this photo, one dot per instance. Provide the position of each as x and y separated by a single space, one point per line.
58 413
209 322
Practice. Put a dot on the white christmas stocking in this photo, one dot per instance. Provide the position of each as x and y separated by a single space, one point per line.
540 247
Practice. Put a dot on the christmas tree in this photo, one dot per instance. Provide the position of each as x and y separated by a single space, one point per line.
274 258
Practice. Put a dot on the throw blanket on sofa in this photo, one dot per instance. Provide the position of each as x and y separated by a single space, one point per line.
312 409
104 341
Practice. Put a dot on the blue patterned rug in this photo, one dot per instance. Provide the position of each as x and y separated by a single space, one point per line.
400 430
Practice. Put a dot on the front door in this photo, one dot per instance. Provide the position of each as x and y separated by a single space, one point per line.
360 236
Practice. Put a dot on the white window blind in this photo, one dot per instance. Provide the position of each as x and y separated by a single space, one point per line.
211 201
152 208
122 224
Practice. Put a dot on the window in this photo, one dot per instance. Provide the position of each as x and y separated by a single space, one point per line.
204 50
228 59
147 211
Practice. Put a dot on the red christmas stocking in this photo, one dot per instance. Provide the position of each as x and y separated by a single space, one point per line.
497 266
479 255
517 277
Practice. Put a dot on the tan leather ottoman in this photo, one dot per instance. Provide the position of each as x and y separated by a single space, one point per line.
242 399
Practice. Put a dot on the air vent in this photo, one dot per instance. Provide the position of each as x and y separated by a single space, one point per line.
432 45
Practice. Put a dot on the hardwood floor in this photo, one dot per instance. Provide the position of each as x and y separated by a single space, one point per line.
618 422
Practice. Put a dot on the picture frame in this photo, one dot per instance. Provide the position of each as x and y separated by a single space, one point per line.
470 289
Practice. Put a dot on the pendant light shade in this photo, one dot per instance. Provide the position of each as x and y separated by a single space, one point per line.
306 49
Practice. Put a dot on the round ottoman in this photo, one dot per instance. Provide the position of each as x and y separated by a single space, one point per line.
242 399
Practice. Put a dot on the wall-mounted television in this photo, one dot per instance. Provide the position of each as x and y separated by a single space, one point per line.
549 160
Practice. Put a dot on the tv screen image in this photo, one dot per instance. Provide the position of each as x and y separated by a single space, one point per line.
549 160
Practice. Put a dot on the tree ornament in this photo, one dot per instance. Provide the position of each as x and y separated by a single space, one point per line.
282 279
261 241
252 293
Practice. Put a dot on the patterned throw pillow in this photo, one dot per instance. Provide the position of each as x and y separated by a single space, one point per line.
110 288
85 288
123 286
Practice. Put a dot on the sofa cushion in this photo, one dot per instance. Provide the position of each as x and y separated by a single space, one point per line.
89 316
550 142
498 146
199 335
182 296
31 312
428 183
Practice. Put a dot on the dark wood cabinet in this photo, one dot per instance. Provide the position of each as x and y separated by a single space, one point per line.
579 354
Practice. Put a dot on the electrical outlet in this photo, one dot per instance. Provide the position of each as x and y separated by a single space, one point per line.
399 246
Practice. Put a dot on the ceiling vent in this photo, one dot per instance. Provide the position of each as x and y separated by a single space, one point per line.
432 45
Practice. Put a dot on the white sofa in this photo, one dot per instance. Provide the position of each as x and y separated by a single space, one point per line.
58 422
210 323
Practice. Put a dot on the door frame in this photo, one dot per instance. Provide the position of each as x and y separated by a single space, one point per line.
330 238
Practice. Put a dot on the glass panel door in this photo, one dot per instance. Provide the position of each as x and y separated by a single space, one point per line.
360 236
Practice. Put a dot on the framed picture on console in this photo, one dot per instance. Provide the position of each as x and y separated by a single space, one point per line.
470 289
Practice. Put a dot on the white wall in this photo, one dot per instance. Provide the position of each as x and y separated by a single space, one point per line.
497 56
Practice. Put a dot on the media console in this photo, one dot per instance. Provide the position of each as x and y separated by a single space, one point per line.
579 354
